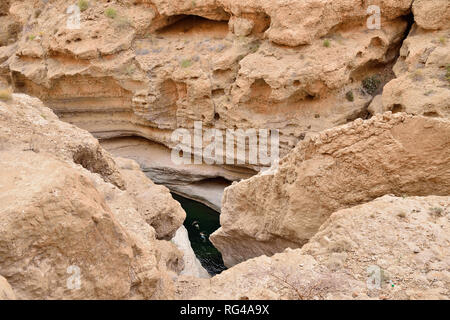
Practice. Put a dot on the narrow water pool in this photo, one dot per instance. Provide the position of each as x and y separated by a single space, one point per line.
200 222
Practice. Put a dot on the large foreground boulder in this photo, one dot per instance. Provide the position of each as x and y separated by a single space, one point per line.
390 248
339 168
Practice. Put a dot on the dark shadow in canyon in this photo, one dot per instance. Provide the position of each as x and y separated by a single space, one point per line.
200 222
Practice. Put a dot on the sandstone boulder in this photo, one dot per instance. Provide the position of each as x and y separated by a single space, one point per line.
192 266
389 248
432 14
341 167
73 223
155 201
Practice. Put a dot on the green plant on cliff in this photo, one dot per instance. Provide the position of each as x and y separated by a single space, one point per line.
437 211
83 5
5 94
186 63
122 23
130 70
326 43
111 13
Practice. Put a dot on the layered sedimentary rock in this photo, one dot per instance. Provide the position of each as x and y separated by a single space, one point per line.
78 223
6 292
73 224
341 167
389 248
152 67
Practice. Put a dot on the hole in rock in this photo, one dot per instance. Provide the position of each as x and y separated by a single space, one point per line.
433 114
261 21
189 25
201 221
397 108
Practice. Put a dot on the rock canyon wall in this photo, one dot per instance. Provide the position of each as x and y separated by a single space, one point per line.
151 67
86 143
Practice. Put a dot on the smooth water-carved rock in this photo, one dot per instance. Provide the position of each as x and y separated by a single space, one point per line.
134 71
200 182
154 201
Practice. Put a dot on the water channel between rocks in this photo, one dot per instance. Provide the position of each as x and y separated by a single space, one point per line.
201 221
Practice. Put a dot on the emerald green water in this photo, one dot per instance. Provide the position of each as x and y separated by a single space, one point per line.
200 222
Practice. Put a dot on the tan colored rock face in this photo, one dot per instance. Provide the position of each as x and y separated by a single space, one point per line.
154 201
192 266
422 85
341 167
136 70
200 182
389 248
65 218
6 292
290 66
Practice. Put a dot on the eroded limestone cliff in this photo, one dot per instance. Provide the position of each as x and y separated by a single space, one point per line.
67 209
356 187
145 68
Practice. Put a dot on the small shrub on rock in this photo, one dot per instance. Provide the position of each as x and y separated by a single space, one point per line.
111 13
5 94
371 84
350 97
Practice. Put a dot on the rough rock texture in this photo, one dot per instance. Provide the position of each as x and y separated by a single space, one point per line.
154 201
408 239
136 70
6 292
192 266
295 66
432 14
422 85
63 212
285 206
